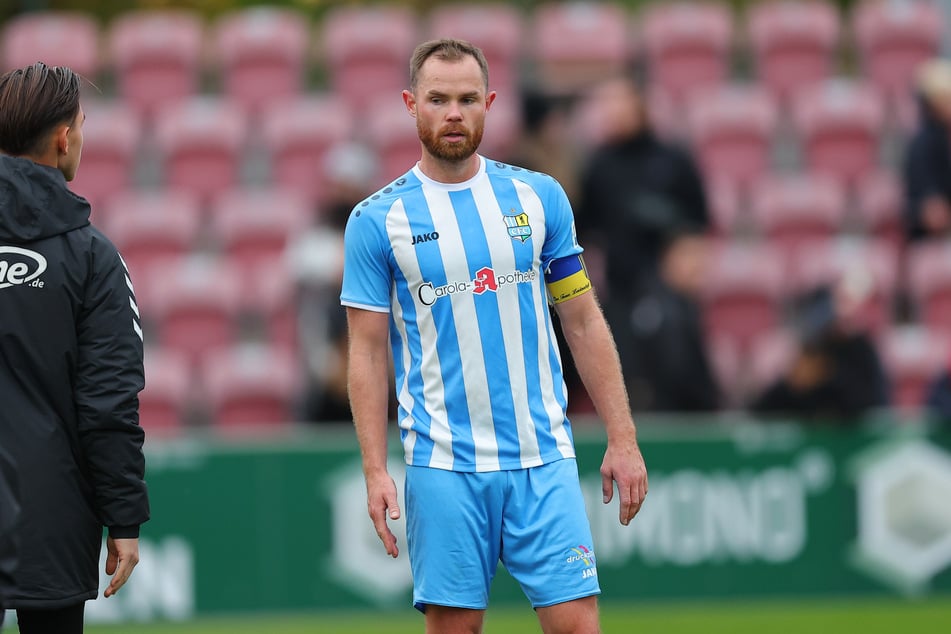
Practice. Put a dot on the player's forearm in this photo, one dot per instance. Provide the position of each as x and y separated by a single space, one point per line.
368 386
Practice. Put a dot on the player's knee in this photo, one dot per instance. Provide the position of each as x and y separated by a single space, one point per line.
447 620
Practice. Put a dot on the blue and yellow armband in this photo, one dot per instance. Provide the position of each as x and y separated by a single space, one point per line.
566 278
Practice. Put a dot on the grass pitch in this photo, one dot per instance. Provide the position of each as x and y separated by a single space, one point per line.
872 616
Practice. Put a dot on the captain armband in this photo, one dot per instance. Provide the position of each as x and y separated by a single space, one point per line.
566 278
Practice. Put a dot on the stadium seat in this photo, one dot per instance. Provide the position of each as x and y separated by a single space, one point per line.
865 271
503 128
732 129
200 143
57 38
878 206
153 228
268 301
156 56
298 134
112 136
687 45
261 55
252 226
494 27
194 305
572 44
913 356
250 385
165 403
727 207
391 133
742 297
929 283
839 124
792 43
798 208
892 38
366 51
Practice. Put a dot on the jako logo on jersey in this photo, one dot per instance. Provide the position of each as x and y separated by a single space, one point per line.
425 237
485 280
20 266
517 224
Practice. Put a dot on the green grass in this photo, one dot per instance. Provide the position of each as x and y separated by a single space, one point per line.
878 616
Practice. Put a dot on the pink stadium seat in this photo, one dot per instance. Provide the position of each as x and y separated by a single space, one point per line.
250 385
839 124
194 305
153 229
793 43
879 204
496 28
795 209
298 134
156 56
732 129
913 356
929 283
893 37
57 38
165 402
261 54
572 44
366 51
392 135
743 292
112 135
252 226
687 45
268 299
200 143
865 270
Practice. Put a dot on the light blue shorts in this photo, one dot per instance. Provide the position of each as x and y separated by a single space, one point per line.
460 525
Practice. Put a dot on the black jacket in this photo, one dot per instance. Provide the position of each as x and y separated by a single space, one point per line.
70 374
926 168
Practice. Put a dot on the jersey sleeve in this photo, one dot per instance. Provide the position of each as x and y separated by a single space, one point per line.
561 239
367 280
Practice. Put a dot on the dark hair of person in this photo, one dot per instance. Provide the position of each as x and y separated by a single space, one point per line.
446 49
33 101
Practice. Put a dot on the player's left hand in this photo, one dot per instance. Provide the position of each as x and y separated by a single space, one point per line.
122 557
623 464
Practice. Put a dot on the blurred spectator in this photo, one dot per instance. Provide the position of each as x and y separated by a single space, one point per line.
635 188
927 164
938 400
316 261
837 374
660 336
544 146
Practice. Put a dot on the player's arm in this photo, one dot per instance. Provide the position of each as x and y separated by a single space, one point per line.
368 381
595 356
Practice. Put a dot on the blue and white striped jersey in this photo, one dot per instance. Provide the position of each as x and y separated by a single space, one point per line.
460 268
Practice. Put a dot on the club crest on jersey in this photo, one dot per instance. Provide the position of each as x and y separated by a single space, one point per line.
518 226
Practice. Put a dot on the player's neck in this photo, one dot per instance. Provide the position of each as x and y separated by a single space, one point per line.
443 171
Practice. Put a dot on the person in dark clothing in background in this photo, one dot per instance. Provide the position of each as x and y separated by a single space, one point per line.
71 364
635 188
938 397
927 164
660 335
9 511
837 374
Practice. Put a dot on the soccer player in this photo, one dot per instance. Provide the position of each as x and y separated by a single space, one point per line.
455 263
70 363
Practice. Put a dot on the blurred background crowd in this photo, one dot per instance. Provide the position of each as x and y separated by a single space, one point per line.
763 188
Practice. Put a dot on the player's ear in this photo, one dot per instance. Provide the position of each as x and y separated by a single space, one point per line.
410 102
489 98
61 138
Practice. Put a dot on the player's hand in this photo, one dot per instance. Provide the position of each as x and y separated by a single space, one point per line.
123 555
382 505
623 464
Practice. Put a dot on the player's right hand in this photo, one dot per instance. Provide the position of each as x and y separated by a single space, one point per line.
382 505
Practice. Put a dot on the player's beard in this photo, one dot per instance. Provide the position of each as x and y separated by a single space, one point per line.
446 151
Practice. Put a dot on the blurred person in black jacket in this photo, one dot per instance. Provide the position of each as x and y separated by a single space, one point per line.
71 363
9 511
927 163
635 188
938 398
660 335
837 375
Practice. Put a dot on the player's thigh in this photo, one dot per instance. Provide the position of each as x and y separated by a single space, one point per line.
441 619
572 617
